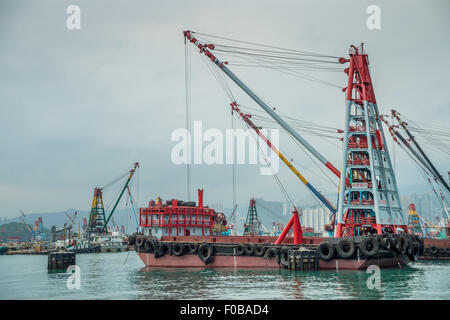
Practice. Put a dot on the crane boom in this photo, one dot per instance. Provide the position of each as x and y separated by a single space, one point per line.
428 222
232 212
395 134
136 164
204 49
434 170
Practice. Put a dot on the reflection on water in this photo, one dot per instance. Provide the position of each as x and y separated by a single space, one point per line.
116 276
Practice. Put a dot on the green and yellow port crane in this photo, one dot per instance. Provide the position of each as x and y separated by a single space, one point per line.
97 218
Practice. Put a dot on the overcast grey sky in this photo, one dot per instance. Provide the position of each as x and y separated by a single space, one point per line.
78 107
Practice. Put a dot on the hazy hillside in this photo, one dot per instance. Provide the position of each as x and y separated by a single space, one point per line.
126 217
14 229
121 217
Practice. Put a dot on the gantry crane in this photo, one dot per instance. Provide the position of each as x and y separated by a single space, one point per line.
97 219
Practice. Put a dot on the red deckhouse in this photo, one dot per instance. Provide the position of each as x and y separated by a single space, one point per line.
177 218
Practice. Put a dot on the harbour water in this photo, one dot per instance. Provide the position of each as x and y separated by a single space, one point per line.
122 275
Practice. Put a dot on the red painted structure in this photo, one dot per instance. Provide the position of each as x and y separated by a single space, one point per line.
364 205
295 223
192 261
174 216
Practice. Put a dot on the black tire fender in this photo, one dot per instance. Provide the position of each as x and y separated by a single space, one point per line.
386 243
284 257
405 245
409 249
140 242
205 253
272 252
240 249
369 246
345 248
326 251
178 249
259 251
433 249
397 244
164 248
191 247
249 249
149 246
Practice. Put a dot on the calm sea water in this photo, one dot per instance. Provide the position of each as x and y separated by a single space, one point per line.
123 276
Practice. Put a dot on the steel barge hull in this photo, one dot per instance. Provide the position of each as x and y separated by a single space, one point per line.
246 262
225 255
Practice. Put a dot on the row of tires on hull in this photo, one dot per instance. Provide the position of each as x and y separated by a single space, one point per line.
207 251
150 245
346 248
437 251
79 249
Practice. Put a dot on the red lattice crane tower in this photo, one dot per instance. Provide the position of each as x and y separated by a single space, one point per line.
369 201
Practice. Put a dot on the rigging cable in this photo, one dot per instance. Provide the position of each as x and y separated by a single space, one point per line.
233 168
187 59
266 46
275 175
227 90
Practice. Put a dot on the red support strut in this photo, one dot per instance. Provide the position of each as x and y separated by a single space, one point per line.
298 233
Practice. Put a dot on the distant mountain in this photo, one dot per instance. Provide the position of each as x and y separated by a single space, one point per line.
14 229
121 217
266 213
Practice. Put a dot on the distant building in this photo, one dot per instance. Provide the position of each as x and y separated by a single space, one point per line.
315 218
13 239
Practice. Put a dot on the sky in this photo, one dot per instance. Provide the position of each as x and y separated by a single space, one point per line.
79 107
